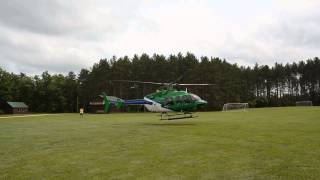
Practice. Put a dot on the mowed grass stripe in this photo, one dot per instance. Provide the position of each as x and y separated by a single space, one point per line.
27 115
269 143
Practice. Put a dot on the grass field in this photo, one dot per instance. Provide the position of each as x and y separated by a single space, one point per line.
270 143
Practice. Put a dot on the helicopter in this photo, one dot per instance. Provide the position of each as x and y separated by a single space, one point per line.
170 102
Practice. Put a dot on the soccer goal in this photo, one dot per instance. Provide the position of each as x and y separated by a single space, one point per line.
235 106
304 103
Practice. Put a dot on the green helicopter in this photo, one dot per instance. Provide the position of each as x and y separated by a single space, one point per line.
172 103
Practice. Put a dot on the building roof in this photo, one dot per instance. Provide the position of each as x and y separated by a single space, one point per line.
17 104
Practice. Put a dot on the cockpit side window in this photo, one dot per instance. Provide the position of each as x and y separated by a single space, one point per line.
187 98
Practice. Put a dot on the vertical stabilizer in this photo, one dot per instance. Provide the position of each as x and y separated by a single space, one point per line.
106 103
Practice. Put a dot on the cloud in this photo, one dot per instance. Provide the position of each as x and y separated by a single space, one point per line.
61 36
58 36
283 33
289 34
58 17
173 27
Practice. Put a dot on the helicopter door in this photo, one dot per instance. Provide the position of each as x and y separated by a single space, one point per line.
179 102
178 99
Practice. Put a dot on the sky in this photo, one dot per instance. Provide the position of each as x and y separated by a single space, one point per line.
61 36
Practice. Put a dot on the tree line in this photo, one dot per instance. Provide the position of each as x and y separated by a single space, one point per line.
260 85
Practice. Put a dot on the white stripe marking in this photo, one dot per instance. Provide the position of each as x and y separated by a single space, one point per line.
27 116
155 107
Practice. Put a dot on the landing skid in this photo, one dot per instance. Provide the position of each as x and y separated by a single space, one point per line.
176 115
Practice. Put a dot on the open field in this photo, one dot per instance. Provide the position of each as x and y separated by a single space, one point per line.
270 143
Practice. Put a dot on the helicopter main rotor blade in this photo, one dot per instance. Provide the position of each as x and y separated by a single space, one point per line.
194 84
164 85
141 82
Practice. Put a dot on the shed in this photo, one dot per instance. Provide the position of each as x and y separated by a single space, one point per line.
14 107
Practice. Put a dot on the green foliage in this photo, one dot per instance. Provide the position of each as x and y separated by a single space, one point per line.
47 93
261 86
261 102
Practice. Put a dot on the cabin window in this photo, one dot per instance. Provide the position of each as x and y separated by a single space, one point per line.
178 99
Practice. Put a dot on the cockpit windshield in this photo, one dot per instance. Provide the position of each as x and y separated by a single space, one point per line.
195 97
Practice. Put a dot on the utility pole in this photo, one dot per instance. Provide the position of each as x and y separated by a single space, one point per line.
77 110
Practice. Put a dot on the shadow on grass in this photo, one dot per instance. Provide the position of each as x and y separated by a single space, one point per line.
169 124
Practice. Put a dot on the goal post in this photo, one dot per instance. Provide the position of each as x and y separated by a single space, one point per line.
303 103
235 106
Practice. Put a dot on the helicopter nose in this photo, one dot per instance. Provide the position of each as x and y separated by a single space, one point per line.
202 102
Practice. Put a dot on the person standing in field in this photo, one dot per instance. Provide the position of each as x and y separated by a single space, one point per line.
81 112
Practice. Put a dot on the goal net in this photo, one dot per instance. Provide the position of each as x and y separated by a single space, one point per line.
235 106
304 103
